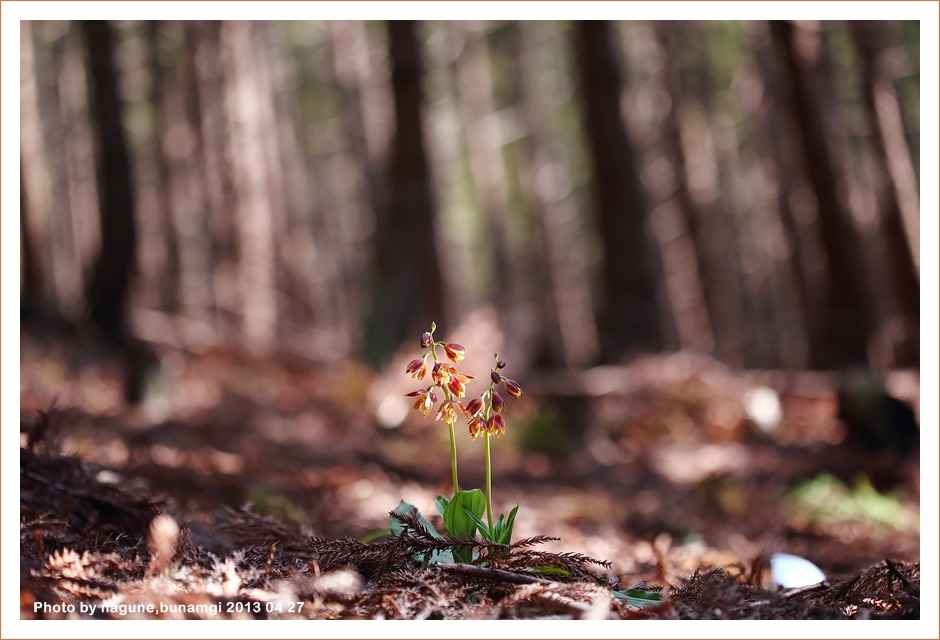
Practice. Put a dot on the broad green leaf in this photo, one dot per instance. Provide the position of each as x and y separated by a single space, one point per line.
444 555
512 517
460 516
457 520
502 530
442 502
482 526
640 598
395 527
404 508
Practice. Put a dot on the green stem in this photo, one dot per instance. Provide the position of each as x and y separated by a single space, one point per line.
453 457
450 425
489 481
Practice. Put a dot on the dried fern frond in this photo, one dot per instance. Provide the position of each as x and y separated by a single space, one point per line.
417 538
534 540
562 567
372 559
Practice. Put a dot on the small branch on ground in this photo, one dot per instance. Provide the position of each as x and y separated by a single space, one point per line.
498 575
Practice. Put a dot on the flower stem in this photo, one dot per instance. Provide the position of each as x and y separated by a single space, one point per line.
489 481
453 457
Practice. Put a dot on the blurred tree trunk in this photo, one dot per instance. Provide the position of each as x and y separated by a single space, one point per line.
702 194
31 275
407 293
351 70
67 224
206 72
275 134
847 316
568 331
250 121
683 145
896 185
570 336
108 291
720 187
34 188
499 156
316 303
194 202
169 279
792 341
349 214
629 317
487 164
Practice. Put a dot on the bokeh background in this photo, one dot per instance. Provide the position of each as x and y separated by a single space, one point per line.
747 190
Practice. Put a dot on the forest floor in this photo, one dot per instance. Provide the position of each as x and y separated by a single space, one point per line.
267 472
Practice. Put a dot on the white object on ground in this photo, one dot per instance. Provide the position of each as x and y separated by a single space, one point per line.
791 572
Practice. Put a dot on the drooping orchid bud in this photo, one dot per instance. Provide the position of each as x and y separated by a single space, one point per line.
499 405
425 340
496 425
477 426
513 388
495 377
418 368
454 351
474 407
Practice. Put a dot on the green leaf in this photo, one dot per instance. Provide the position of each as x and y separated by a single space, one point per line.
551 571
444 555
442 502
457 513
461 516
396 527
482 526
404 508
640 598
502 530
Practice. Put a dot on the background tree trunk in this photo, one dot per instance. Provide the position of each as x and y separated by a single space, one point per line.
108 290
898 197
847 321
31 276
169 274
248 105
205 70
408 290
569 328
34 188
799 301
629 316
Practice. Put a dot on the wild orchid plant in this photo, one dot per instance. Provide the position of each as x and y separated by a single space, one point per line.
463 513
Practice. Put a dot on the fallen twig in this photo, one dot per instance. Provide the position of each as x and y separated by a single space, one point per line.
798 591
500 575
